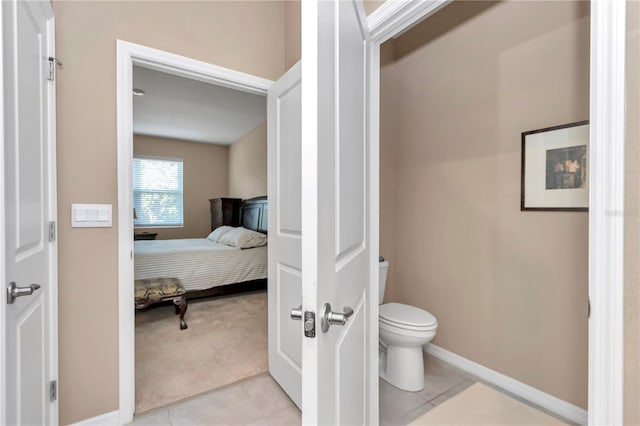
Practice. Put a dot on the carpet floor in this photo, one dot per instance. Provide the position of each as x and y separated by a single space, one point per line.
226 341
482 405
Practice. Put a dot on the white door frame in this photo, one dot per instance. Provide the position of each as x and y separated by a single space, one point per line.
606 195
53 216
128 55
3 273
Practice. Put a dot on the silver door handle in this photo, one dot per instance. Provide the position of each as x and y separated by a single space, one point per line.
13 291
296 313
329 318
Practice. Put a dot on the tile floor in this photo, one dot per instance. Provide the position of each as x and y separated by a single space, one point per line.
260 401
254 401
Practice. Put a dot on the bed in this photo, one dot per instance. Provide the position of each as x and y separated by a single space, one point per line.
206 268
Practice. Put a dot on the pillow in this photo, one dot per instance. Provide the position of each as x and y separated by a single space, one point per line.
243 238
219 232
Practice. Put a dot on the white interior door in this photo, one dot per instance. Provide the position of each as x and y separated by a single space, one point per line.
29 152
285 259
339 365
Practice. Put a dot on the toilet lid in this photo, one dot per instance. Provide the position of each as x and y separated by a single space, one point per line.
399 313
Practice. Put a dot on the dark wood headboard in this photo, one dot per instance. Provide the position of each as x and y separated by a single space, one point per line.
254 213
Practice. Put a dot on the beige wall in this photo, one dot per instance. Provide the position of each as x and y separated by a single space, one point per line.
632 222
205 176
390 98
292 33
509 288
245 36
371 5
248 164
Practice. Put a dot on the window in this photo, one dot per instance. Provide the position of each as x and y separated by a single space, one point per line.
157 192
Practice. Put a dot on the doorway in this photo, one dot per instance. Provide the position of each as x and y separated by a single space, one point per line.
130 55
607 81
195 146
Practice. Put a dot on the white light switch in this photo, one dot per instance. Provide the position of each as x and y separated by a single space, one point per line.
104 215
91 215
81 215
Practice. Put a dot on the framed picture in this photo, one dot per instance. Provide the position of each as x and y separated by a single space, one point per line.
555 168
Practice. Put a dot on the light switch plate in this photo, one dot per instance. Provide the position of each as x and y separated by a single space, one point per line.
91 215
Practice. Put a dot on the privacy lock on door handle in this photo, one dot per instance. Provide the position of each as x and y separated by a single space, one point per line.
309 320
13 291
329 318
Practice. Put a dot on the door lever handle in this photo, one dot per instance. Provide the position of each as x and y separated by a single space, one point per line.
13 291
329 318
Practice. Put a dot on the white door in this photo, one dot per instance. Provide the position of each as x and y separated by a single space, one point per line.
285 259
29 206
340 364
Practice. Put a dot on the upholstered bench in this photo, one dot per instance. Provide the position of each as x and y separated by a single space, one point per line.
150 291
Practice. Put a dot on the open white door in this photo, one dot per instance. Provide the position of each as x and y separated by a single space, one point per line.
339 364
285 258
30 334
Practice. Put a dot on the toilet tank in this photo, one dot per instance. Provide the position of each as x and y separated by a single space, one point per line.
384 266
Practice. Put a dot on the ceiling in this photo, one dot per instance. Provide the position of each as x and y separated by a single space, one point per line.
180 108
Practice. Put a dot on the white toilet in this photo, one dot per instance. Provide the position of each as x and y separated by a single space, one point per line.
403 331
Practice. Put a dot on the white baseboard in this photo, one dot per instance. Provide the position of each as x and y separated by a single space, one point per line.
529 393
111 418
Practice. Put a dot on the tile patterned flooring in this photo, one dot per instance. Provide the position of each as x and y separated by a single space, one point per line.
260 401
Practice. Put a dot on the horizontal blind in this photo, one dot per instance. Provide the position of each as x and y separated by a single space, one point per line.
157 192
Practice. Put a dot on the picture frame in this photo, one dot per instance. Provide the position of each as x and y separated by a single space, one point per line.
555 168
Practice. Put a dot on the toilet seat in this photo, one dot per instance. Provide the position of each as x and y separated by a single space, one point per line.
406 317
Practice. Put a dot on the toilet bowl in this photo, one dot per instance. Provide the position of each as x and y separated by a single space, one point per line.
403 331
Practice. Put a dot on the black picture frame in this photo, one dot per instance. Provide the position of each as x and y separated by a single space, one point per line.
554 168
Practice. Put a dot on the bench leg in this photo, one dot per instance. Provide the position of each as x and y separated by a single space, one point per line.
181 308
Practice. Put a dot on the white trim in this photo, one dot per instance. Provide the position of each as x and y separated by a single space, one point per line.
606 212
182 66
373 295
394 17
106 419
3 270
528 393
129 54
126 320
53 216
309 11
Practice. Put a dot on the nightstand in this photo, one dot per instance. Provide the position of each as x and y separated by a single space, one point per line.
145 236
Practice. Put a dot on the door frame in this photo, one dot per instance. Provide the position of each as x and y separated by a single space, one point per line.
606 194
3 273
53 216
128 55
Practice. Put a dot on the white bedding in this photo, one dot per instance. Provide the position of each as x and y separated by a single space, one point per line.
198 262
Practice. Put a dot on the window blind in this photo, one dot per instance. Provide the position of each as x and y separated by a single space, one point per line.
157 192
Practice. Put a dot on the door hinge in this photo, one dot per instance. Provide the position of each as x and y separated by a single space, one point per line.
52 231
53 390
52 67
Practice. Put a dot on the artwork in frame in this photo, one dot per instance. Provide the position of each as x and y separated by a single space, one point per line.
555 168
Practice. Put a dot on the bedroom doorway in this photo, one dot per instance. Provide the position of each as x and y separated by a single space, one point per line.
219 327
